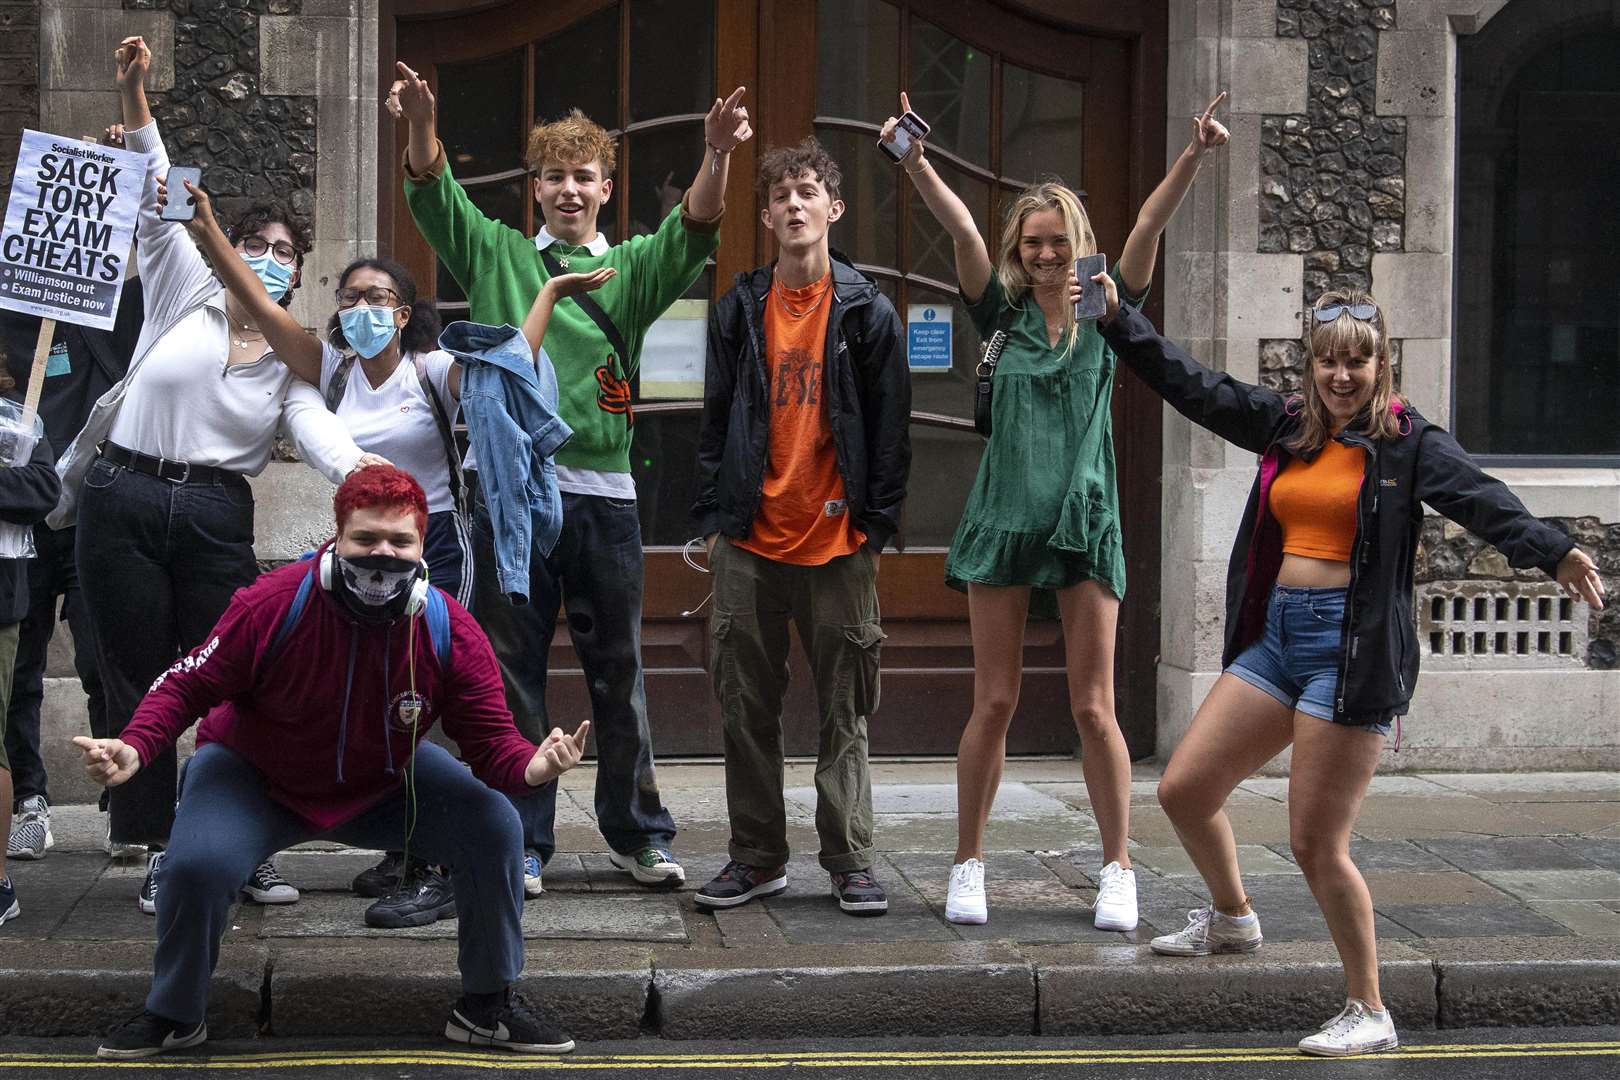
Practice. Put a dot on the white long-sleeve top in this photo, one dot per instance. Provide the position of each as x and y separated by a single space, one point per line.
181 399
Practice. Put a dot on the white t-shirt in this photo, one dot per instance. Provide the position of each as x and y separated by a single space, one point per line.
396 419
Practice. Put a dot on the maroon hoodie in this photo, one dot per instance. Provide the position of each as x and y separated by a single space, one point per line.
321 720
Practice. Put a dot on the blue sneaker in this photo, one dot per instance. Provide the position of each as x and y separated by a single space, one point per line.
8 900
531 874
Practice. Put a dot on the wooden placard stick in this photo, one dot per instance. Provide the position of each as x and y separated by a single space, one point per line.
36 378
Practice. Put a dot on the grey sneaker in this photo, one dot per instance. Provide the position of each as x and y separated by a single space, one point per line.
30 830
1356 1030
1208 931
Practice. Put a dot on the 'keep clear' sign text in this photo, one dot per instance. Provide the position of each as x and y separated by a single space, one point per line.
68 228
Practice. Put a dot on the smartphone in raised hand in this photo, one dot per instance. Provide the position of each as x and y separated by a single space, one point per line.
908 129
1093 301
181 206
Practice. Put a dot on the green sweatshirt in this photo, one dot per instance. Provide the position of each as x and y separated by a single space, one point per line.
501 272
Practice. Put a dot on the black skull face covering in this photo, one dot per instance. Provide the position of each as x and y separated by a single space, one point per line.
376 588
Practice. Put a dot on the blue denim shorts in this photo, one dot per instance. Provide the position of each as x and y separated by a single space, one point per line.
1296 661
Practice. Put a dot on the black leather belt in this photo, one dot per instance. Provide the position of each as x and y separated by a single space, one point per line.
175 472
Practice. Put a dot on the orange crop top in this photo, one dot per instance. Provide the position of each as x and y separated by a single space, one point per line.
1315 502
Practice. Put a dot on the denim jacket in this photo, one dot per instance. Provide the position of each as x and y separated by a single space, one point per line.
510 401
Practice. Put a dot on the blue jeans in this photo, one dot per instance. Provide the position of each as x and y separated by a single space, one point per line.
227 825
1296 661
158 563
596 571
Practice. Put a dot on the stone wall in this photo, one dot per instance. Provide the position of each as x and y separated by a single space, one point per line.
253 146
19 79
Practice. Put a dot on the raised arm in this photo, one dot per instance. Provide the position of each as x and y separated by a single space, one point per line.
133 60
725 128
294 346
1142 245
555 289
972 258
411 98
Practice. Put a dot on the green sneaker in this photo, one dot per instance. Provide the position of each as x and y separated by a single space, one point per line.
651 866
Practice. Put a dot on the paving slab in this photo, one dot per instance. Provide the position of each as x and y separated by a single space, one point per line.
926 870
1126 989
324 871
1011 798
1587 918
1603 853
48 889
1556 884
1433 921
1253 860
1412 817
914 989
1474 854
1399 887
554 915
1507 982
1533 787
1574 818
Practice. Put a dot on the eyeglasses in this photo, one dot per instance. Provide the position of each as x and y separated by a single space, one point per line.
1365 312
257 245
376 296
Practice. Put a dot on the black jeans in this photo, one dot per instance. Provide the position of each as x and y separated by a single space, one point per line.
158 562
52 574
596 571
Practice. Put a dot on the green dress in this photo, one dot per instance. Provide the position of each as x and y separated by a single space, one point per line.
1044 509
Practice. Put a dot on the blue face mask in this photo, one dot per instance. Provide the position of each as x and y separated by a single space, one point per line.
368 329
277 278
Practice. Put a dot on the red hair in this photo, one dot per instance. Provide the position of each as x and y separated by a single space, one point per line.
381 486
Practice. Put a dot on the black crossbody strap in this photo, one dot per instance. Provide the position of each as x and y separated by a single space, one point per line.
447 433
339 382
594 310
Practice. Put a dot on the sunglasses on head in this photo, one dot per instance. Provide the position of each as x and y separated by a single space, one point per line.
1328 312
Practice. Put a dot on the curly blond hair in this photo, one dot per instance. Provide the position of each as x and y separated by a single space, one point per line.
576 139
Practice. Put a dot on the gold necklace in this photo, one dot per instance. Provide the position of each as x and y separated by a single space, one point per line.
780 291
242 341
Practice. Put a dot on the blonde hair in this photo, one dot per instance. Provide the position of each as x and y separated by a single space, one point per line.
1045 195
1356 337
576 139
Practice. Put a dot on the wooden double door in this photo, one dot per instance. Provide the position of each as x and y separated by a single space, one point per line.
1015 90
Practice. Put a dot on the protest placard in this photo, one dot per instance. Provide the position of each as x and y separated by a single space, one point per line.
68 227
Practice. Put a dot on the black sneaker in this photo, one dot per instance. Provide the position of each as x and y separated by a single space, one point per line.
148 1034
9 908
859 893
380 880
513 1025
267 886
146 899
426 897
739 883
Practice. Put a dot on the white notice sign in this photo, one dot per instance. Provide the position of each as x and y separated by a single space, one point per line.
68 228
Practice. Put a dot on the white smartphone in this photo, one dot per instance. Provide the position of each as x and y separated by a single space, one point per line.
909 128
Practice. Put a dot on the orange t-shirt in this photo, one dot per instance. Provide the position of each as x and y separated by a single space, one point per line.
1315 502
803 516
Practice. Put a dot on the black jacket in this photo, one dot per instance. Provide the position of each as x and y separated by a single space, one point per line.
27 493
1378 665
96 360
867 396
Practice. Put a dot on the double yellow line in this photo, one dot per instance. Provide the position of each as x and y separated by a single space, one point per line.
830 1059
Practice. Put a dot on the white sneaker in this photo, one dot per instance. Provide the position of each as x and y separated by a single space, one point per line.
119 849
1116 899
1356 1030
1208 931
533 885
30 830
965 902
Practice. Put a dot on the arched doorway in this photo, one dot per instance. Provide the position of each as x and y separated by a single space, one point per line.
1013 88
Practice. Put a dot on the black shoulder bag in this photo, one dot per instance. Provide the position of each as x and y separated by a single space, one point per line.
984 386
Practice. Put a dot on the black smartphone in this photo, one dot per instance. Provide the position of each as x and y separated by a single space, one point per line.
1093 301
909 128
181 206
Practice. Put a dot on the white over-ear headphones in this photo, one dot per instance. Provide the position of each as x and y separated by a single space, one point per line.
419 587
